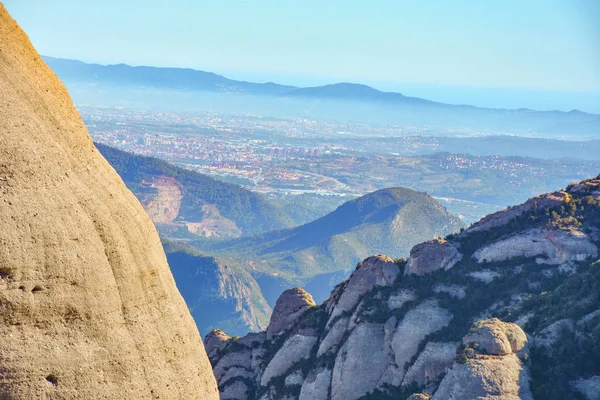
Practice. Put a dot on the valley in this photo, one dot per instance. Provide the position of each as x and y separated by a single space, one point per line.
172 233
283 158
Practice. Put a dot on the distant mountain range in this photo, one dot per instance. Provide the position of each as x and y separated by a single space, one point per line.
123 84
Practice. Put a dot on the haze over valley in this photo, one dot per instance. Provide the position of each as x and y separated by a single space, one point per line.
198 211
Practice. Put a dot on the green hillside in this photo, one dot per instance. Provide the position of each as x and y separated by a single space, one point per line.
186 204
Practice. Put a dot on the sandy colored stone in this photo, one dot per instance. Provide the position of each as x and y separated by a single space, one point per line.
214 339
494 337
491 378
496 371
501 218
288 309
89 307
431 256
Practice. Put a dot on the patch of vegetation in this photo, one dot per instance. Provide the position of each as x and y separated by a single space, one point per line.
250 211
389 392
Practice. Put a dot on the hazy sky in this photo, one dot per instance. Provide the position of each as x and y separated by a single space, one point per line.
526 44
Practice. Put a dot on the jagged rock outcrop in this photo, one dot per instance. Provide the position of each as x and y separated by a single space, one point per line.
214 339
431 256
549 246
89 308
374 271
436 330
501 218
493 369
288 309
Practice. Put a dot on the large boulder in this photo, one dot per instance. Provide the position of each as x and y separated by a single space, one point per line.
89 307
214 339
431 256
494 366
497 338
288 309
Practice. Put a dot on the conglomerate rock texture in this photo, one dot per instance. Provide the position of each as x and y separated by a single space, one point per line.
88 306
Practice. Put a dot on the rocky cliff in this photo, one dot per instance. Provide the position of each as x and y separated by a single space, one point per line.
88 306
217 292
507 309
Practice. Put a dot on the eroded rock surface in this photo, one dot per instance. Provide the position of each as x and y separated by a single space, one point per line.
493 369
374 271
360 363
384 335
549 245
214 339
289 307
89 307
294 349
431 256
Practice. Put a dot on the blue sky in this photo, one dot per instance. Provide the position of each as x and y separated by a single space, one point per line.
541 45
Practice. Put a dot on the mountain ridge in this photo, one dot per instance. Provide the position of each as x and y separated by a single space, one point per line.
508 308
191 80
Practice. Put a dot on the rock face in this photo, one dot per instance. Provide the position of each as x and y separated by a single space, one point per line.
502 218
89 307
289 308
386 335
550 246
494 369
431 256
214 339
496 338
374 271
218 293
